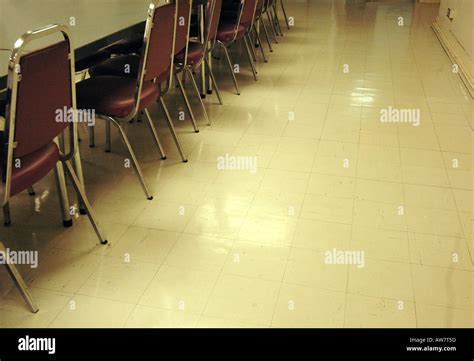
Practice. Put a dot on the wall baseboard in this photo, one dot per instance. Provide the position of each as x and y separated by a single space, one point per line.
457 54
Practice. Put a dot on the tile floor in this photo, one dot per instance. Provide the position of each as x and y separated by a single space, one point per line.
230 248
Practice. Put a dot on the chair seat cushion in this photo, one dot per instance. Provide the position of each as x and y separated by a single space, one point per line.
34 167
124 66
114 95
226 32
195 53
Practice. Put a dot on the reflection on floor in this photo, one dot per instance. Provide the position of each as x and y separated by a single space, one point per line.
236 248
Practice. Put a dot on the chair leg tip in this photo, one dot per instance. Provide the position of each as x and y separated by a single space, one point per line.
203 96
185 160
209 92
67 223
150 198
82 211
7 224
163 158
196 131
104 242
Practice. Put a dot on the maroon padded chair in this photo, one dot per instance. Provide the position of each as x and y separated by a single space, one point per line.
197 52
234 28
128 51
119 98
131 48
30 147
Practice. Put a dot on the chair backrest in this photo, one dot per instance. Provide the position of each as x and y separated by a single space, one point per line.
42 94
248 13
159 38
213 12
182 25
40 99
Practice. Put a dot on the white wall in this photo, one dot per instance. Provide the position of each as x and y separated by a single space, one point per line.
462 26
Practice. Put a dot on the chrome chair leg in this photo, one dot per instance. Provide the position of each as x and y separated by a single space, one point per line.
172 130
82 194
91 136
7 219
20 283
254 71
260 44
284 14
31 191
155 134
277 19
62 194
132 155
214 83
265 31
251 47
272 23
108 142
186 101
80 174
198 94
78 166
231 67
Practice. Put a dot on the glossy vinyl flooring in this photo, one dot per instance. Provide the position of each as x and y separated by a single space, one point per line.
243 248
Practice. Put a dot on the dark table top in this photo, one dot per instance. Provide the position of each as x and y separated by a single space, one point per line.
96 26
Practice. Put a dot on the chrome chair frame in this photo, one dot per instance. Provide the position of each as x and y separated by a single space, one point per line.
258 17
64 165
149 25
264 26
116 121
276 19
20 283
180 81
191 69
284 14
247 43
270 11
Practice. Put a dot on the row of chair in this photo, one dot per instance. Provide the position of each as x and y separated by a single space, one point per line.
141 70
32 140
